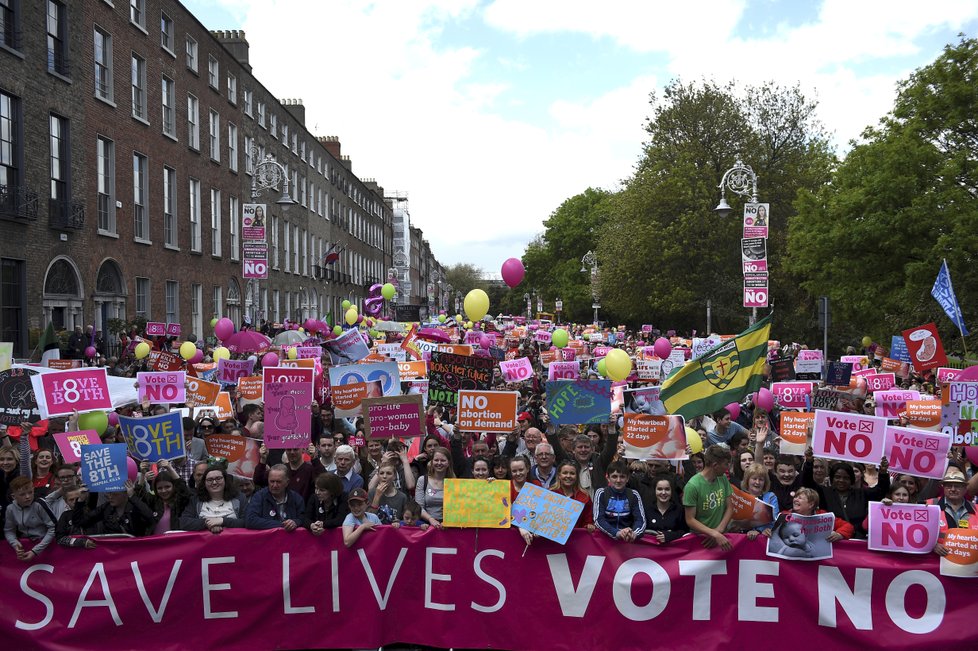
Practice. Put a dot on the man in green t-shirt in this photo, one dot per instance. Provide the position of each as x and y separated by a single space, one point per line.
707 498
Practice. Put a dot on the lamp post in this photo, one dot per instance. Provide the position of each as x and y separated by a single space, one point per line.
267 173
740 179
526 297
590 263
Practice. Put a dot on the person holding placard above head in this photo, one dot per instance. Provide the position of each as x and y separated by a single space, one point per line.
842 496
956 511
707 498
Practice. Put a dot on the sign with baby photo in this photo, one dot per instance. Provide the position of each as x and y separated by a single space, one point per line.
924 347
654 437
801 537
288 396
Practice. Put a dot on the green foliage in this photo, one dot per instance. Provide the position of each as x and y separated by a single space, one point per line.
464 277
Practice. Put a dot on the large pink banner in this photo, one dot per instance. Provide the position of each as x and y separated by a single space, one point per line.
66 391
473 589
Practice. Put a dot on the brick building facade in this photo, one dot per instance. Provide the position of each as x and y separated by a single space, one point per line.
126 139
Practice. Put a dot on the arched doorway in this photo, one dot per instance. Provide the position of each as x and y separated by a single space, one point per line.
110 296
64 295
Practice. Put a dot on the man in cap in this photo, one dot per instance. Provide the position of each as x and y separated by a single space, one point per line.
956 511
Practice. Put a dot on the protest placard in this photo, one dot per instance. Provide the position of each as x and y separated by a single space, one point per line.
754 254
924 347
962 553
756 219
60 393
879 381
250 387
477 503
103 467
309 352
69 443
703 345
288 396
834 400
649 369
649 436
848 436
487 411
890 404
548 357
393 417
63 364
201 393
162 388
222 406
578 402
161 360
386 373
923 414
909 528
839 374
564 371
305 362
393 352
6 355
154 438
155 329
782 369
456 349
348 398
241 453
750 511
917 452
794 431
801 537
516 370
17 402
546 513
449 373
792 395
412 370
349 347
229 370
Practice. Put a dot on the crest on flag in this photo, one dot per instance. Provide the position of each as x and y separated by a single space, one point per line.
721 366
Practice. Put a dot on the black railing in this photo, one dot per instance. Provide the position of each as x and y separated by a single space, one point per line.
66 215
18 202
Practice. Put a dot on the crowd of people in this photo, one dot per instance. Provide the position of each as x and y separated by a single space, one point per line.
342 481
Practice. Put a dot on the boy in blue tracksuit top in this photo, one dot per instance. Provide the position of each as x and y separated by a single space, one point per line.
618 511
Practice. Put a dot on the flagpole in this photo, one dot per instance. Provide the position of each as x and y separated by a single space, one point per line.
957 310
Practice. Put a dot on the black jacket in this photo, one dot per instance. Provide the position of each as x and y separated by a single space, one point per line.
331 514
672 523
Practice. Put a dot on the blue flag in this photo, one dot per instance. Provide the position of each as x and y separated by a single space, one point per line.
943 293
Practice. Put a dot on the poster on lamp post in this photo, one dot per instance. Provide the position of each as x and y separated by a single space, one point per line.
756 219
754 254
254 249
755 290
253 222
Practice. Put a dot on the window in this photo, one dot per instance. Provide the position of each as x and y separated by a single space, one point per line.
215 135
169 109
232 147
288 246
105 155
285 135
191 53
9 29
249 164
137 12
138 87
193 122
261 114
247 102
196 313
60 162
302 191
235 231
295 142
13 301
302 150
195 215
213 71
142 297
272 124
218 303
172 301
10 140
232 89
170 207
57 26
166 32
215 222
275 304
140 195
103 64
295 249
274 224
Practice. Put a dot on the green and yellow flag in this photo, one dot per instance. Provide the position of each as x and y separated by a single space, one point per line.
725 374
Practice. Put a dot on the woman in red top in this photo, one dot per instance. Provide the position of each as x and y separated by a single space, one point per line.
41 468
805 502
569 485
519 470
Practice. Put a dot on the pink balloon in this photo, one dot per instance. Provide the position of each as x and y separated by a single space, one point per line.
734 409
198 357
224 328
113 419
662 348
513 272
972 452
764 399
309 325
90 352
969 374
485 341
270 359
132 469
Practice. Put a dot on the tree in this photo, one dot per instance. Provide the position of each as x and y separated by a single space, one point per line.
666 253
464 277
903 200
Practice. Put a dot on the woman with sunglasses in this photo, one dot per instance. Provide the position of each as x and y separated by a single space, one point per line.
216 505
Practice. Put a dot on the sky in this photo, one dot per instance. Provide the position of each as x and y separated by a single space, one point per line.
490 113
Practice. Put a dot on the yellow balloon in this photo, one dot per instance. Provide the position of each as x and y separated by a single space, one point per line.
693 440
867 341
188 350
221 353
292 354
351 316
618 364
476 304
142 350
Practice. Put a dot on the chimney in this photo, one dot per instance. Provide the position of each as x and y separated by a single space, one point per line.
295 109
346 162
234 42
332 145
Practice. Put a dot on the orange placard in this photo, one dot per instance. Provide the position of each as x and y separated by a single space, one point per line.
487 411
222 406
895 366
64 364
962 553
794 428
924 413
306 362
648 436
412 370
457 349
348 398
547 356
750 509
374 358
201 393
250 388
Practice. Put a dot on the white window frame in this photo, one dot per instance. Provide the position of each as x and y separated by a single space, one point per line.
167 35
232 147
194 192
105 180
232 89
191 51
214 124
168 92
143 287
193 122
233 215
215 222
140 197
140 110
248 101
171 290
137 13
171 234
104 64
213 72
